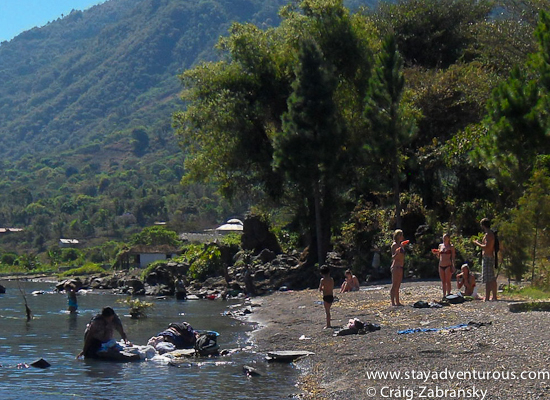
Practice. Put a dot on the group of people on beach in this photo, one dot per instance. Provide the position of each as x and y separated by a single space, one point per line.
446 255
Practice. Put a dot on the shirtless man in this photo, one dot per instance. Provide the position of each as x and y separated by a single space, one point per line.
100 331
488 264
326 286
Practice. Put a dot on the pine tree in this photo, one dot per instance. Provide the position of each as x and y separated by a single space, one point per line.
390 126
309 147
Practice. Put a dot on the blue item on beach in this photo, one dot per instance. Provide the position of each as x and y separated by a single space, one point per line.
204 332
416 330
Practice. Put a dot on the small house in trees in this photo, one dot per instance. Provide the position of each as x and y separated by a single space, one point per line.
233 225
141 256
64 243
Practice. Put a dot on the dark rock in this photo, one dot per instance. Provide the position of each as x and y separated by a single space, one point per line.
158 290
250 371
2 289
260 275
266 256
73 281
257 236
41 363
217 281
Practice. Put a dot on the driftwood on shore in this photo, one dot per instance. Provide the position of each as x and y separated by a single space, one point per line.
287 355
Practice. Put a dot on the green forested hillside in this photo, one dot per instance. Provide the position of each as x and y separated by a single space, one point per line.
341 122
85 117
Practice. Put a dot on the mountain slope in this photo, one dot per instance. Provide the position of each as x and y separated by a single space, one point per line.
108 68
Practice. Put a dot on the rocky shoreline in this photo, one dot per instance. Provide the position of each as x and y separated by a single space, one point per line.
485 355
500 344
498 347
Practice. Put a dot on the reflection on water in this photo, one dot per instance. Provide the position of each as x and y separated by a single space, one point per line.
56 336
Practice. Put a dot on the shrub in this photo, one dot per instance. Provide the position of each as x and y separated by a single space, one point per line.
137 307
204 261
87 269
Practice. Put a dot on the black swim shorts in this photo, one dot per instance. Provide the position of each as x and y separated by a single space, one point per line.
328 298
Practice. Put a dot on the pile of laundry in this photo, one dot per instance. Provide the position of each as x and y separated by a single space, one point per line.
357 327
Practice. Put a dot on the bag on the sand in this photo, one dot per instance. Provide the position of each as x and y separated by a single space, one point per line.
207 344
455 299
421 304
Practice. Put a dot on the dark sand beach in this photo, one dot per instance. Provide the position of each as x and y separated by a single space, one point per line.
508 358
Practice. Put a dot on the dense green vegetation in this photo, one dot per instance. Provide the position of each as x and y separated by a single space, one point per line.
339 123
338 117
87 147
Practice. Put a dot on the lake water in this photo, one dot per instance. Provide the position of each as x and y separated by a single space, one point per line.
57 337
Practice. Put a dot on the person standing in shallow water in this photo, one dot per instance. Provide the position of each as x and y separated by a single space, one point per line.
70 288
488 259
397 266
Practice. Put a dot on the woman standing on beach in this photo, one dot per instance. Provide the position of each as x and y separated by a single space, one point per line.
446 254
397 265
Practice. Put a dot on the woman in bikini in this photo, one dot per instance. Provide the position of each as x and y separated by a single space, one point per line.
398 262
446 254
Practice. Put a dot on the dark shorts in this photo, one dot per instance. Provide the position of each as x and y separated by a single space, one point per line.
95 346
328 298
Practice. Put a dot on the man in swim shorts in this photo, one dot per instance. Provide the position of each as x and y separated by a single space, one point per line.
488 259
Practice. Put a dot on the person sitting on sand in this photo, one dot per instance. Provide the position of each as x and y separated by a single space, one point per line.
468 281
326 286
99 335
351 284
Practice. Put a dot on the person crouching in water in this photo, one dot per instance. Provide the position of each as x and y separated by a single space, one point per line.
99 339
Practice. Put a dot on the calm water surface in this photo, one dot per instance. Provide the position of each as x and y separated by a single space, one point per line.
57 336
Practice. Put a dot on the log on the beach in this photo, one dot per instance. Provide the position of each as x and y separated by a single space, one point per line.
529 306
287 355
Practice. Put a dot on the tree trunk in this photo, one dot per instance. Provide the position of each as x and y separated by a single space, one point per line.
318 224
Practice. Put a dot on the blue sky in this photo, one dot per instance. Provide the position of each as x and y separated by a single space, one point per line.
17 16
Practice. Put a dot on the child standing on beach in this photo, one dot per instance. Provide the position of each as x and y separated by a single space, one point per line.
326 286
397 265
